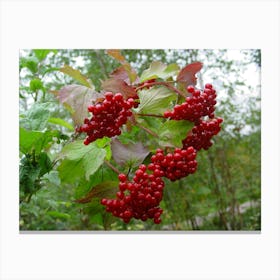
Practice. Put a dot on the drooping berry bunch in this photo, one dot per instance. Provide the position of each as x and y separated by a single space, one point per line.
138 199
200 104
175 165
202 133
107 117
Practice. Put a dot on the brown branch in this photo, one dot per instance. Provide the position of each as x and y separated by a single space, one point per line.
112 166
166 84
149 115
147 130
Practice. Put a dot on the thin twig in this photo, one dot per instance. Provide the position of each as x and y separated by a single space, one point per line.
147 130
149 115
112 166
161 84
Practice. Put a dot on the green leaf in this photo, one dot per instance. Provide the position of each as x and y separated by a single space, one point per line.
35 140
105 144
76 75
30 63
158 69
41 54
88 158
59 215
53 178
104 189
70 171
44 163
61 122
103 174
36 84
171 133
155 100
36 117
28 173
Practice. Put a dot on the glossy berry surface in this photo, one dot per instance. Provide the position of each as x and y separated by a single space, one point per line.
199 104
202 133
174 166
138 198
107 117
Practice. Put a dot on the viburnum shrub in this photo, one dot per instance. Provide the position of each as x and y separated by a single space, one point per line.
174 118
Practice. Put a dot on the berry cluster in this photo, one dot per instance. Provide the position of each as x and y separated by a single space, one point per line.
201 103
174 166
108 116
138 199
202 133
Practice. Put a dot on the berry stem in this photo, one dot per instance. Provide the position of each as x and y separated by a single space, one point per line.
147 130
166 84
112 166
150 115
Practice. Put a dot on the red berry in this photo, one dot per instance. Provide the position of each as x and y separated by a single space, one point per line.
190 89
107 117
138 199
122 177
200 104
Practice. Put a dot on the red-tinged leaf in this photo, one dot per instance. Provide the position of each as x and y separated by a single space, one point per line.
116 54
131 73
187 75
78 98
76 75
106 189
116 86
120 74
128 155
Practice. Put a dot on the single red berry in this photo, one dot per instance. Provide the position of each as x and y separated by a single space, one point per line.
122 177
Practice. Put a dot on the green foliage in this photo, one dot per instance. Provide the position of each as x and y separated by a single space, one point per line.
42 54
61 122
36 117
76 75
155 100
159 70
80 159
35 140
32 168
36 85
171 133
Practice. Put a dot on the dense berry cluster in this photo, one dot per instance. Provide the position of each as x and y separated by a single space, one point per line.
107 117
175 165
201 103
138 199
202 133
